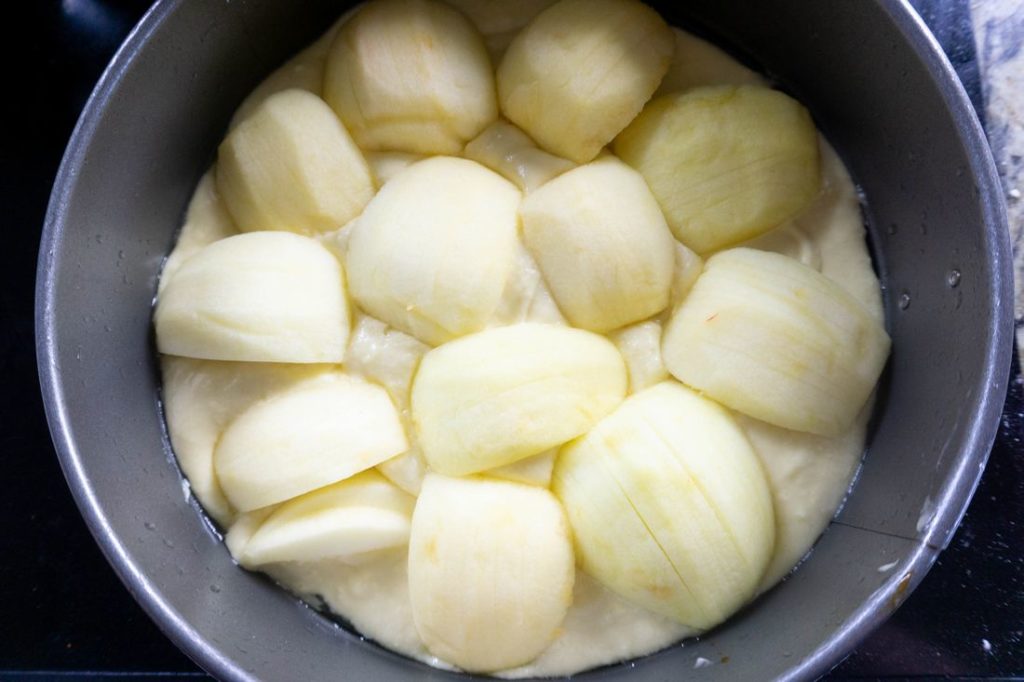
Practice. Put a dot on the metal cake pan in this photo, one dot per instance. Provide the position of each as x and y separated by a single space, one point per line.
877 84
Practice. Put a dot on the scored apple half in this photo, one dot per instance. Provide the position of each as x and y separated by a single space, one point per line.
669 505
770 337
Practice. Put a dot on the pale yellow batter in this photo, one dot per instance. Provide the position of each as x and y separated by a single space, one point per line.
809 475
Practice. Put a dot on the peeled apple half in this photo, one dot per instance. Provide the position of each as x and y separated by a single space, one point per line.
508 393
669 506
343 521
726 163
581 70
432 252
491 571
259 297
770 337
292 166
410 76
602 243
314 435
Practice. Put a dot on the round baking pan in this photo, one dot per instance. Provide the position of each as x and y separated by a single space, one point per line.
879 88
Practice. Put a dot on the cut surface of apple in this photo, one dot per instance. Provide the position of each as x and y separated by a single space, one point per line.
242 529
432 252
581 71
526 297
490 571
535 470
640 345
669 505
509 151
770 337
389 357
386 165
688 266
309 437
259 297
292 166
344 521
602 243
508 393
727 163
410 76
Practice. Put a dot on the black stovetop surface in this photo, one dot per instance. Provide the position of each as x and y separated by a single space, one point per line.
63 612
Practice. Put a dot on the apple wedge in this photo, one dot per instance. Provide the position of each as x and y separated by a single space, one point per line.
258 297
345 521
314 435
202 397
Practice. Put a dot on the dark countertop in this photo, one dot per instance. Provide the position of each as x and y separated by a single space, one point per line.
63 612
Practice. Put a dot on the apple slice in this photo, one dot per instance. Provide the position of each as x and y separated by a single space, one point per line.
389 357
500 21
490 571
345 521
640 345
304 71
259 297
386 165
303 439
697 63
